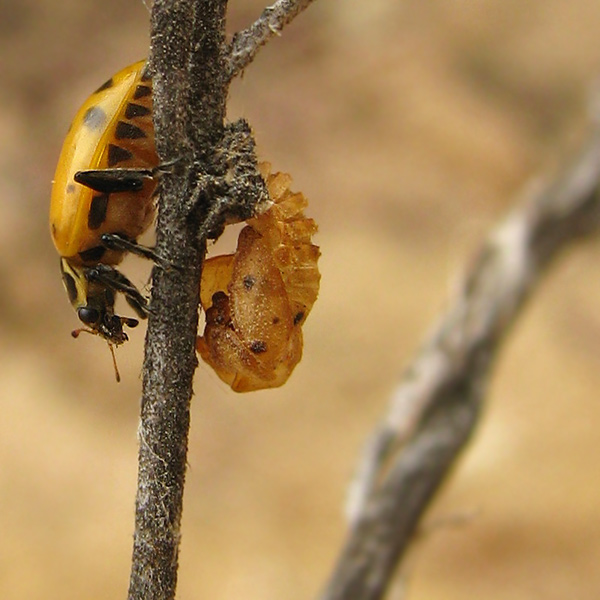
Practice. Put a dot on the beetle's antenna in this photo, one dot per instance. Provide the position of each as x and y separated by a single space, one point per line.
117 374
75 333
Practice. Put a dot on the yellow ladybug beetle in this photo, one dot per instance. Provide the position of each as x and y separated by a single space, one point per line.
103 199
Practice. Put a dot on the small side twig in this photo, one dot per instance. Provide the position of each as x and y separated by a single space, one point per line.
436 406
246 43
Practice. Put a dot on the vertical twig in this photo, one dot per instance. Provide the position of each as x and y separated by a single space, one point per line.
189 107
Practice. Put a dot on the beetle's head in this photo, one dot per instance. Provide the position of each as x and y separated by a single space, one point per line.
94 304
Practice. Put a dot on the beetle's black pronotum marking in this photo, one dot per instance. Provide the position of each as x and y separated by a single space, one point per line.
134 111
141 91
94 118
116 154
92 254
70 286
97 214
128 131
109 181
105 86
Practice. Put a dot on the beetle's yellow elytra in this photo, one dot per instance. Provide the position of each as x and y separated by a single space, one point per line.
113 128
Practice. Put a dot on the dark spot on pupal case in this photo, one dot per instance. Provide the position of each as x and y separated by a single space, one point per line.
249 282
258 347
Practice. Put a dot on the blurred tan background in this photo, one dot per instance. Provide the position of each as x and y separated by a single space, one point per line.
412 127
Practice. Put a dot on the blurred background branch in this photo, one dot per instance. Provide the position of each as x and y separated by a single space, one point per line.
436 406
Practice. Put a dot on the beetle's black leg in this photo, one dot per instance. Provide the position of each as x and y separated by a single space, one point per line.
115 280
141 310
114 241
108 181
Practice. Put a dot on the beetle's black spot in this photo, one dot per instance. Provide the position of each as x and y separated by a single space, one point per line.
70 287
94 117
97 214
141 91
93 254
53 228
276 320
298 317
133 111
116 154
70 188
105 86
146 75
249 282
258 346
128 131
